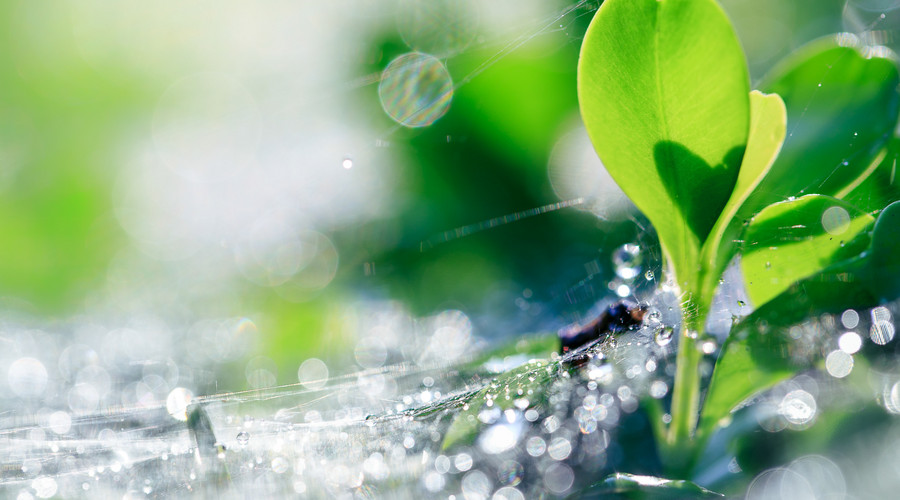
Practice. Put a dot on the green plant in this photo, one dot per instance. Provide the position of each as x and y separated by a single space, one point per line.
720 171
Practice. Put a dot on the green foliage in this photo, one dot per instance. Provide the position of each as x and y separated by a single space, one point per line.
767 130
794 239
664 96
842 104
653 78
757 353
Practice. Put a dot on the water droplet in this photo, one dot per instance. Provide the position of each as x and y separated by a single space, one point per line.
243 438
627 259
648 275
177 403
798 407
279 465
663 336
708 347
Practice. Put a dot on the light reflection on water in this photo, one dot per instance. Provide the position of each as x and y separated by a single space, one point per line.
380 430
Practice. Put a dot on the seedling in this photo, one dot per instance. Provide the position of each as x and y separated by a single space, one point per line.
775 176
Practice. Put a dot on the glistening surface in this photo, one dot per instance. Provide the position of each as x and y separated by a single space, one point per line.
206 200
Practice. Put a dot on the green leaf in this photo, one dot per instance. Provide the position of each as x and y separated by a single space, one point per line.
791 240
882 187
881 275
621 485
750 362
768 121
842 106
663 90
757 354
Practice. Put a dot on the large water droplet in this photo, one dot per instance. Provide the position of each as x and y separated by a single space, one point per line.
627 259
663 336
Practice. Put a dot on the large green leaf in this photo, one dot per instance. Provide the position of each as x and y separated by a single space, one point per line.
757 355
791 240
842 106
663 90
768 121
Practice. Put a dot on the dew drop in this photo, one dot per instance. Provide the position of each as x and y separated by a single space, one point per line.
243 438
663 336
627 259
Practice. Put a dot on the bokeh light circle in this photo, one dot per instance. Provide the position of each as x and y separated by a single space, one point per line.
313 373
415 89
836 221
839 364
177 403
27 377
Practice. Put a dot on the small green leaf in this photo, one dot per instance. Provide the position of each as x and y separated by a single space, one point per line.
791 240
621 485
768 121
842 106
663 90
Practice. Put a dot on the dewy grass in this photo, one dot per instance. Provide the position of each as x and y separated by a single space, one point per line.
721 170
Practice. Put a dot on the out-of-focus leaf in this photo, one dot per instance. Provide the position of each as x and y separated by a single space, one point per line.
768 122
842 106
791 240
881 275
663 90
533 378
633 486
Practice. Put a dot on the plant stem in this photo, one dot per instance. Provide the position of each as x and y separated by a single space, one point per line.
686 393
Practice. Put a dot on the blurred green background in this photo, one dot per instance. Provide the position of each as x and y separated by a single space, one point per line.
191 161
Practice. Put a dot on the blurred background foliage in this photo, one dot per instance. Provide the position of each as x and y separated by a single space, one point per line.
96 217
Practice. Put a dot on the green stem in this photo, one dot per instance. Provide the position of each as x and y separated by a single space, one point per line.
678 452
